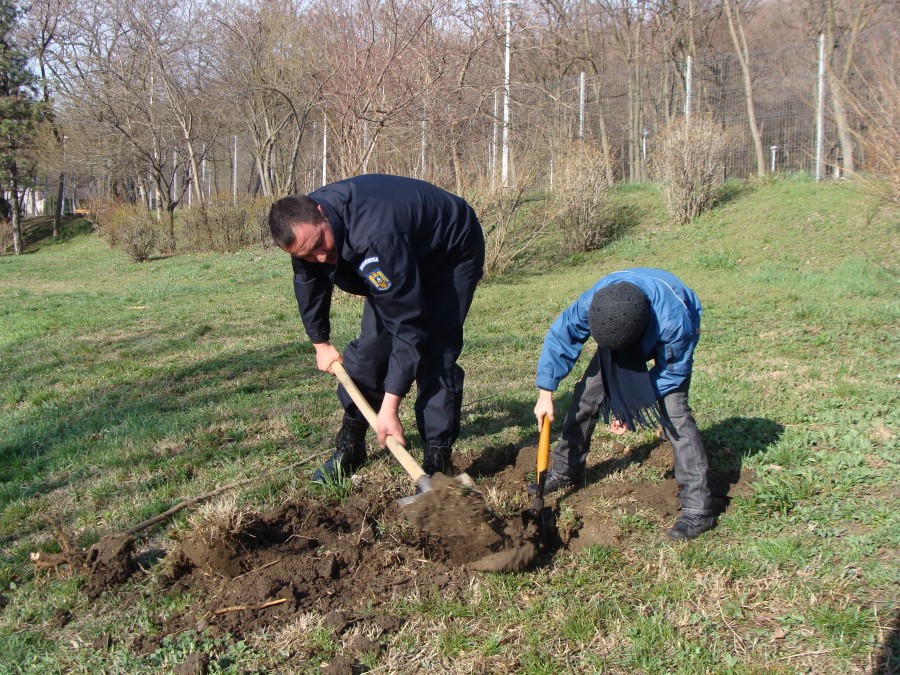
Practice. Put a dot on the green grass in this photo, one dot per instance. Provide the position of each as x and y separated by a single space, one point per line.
126 387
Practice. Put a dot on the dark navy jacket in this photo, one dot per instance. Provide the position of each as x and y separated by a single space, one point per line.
395 237
669 339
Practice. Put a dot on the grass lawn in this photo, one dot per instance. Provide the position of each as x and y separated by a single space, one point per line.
126 387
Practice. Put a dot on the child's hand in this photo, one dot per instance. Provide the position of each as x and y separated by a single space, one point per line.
617 427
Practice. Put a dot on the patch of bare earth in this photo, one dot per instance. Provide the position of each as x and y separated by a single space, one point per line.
341 561
347 561
606 494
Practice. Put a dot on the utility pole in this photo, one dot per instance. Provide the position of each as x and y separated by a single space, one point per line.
494 144
64 187
504 143
324 148
581 96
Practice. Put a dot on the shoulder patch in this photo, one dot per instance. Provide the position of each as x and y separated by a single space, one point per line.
368 261
371 271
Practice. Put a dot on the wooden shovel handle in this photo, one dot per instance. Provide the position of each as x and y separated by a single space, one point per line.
397 450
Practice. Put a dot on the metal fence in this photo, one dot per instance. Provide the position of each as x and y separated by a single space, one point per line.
623 109
630 106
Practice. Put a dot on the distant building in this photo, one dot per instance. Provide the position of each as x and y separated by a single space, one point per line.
38 202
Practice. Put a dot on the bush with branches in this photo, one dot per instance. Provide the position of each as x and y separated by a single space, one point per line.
221 226
688 163
879 133
580 197
126 227
508 232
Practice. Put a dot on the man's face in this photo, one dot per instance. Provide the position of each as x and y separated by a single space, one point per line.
313 242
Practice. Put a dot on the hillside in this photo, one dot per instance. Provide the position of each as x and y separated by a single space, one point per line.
126 387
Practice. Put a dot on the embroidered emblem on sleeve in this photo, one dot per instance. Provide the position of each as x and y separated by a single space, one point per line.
372 272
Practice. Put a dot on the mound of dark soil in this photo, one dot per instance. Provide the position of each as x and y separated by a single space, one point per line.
337 560
345 561
460 519
109 563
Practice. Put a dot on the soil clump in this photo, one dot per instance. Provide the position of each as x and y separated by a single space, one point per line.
459 518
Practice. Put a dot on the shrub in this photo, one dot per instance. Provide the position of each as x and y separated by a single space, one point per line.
222 226
506 233
879 133
579 197
126 227
688 162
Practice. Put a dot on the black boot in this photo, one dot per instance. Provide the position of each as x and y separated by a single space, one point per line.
437 458
552 483
690 526
349 450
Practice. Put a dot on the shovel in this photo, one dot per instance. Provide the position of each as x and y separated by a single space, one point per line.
421 479
544 517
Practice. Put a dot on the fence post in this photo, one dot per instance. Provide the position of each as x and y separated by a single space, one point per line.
688 87
175 174
234 174
581 106
324 147
820 113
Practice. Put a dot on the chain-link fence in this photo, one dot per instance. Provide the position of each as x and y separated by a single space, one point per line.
467 139
623 110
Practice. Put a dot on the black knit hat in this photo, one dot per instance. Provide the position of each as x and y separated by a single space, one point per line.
618 316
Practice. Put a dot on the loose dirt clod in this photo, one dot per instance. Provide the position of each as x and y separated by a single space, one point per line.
110 562
459 518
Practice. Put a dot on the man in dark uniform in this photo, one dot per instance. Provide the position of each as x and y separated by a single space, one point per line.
416 253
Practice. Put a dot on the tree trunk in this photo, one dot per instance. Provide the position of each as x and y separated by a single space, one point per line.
736 28
843 126
57 212
18 245
604 136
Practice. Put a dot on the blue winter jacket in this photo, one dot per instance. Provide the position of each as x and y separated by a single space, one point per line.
669 339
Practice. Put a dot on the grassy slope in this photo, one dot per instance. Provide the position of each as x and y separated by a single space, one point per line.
124 387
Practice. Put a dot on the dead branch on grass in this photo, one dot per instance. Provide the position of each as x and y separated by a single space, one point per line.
241 608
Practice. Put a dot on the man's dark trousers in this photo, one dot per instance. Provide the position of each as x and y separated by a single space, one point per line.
447 299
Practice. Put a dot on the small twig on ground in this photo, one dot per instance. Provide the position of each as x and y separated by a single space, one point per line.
259 569
240 608
199 498
797 656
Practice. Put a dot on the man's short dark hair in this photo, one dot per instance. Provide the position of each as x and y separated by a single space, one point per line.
290 211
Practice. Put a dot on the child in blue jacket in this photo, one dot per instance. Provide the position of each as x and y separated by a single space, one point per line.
635 316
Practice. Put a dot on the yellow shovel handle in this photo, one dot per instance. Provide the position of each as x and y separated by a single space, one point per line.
543 455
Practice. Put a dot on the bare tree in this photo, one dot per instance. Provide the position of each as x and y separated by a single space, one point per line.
842 23
736 30
131 70
41 27
627 20
268 74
